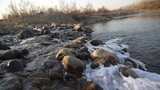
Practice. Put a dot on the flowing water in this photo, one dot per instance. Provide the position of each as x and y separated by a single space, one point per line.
111 78
141 33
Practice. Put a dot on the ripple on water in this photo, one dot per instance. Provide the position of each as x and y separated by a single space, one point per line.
142 34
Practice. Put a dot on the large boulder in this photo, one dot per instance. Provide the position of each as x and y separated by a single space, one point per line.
101 56
13 54
73 65
64 52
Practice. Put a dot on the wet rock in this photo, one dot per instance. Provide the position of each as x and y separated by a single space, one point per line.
125 49
45 43
45 30
85 29
77 43
104 57
71 35
91 86
80 40
96 42
82 53
36 81
54 69
126 71
27 33
94 65
73 65
77 27
11 66
64 52
3 46
66 34
13 54
68 77
55 35
9 40
36 64
10 82
4 32
130 63
65 88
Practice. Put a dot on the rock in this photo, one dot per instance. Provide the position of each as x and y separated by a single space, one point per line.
9 40
45 30
3 46
101 56
65 88
27 33
91 86
130 63
4 32
55 35
64 52
54 69
73 65
80 40
71 35
10 82
94 65
66 34
36 81
11 66
77 43
126 71
82 53
85 29
96 42
77 27
13 54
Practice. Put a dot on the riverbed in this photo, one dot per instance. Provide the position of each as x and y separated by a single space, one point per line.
141 32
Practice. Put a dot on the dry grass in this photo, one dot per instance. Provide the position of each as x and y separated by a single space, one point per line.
26 13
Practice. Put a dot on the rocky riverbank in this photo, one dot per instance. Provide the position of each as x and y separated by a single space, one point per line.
45 57
54 57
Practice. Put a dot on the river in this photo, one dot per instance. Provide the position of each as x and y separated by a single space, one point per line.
141 32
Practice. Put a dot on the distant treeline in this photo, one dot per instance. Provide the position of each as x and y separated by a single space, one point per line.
146 5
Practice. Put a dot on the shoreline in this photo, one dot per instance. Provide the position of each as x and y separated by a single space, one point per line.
54 56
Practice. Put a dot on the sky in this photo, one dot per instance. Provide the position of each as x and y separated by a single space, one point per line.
110 4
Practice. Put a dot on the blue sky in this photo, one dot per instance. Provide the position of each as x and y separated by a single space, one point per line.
110 4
